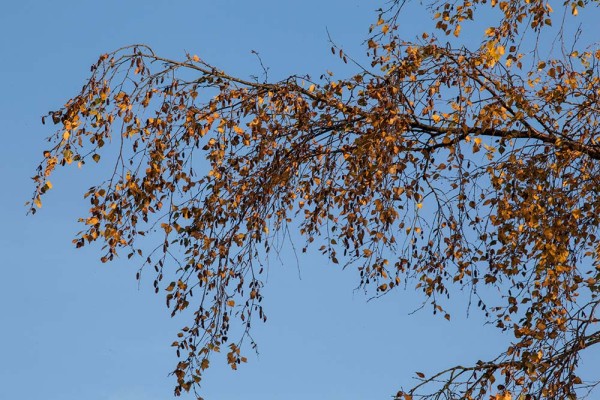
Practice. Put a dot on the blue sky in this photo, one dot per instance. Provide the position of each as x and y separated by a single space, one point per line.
74 328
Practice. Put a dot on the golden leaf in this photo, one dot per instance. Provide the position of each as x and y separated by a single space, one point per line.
457 31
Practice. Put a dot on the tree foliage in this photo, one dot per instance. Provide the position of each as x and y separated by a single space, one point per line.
465 158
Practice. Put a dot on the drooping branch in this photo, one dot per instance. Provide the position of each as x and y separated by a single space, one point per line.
440 166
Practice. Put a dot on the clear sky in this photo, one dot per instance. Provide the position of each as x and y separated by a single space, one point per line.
73 328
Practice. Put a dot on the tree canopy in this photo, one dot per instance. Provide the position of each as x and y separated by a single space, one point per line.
464 157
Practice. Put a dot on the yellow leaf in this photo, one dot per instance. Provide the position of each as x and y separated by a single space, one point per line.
66 135
385 29
230 303
457 31
92 221
196 58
